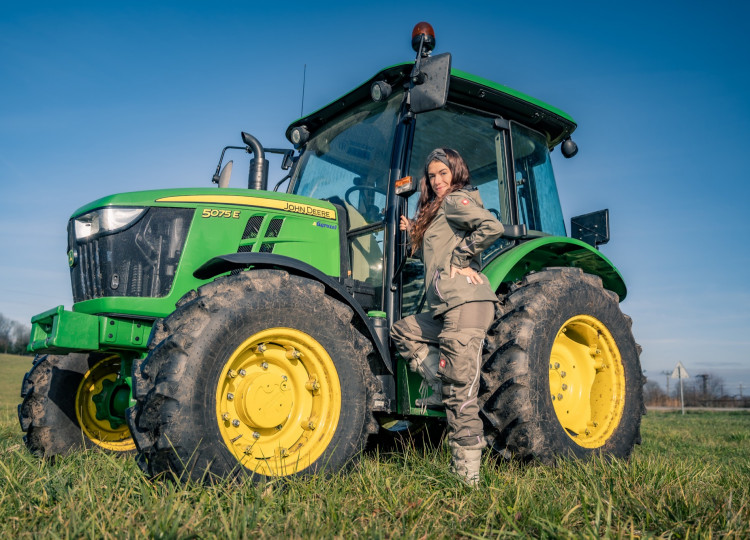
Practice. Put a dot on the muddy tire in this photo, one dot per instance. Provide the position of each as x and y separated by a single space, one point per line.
58 413
261 374
562 375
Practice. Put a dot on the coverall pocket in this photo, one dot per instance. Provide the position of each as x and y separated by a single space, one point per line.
457 357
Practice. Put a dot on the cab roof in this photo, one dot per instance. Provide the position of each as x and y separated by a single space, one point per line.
464 89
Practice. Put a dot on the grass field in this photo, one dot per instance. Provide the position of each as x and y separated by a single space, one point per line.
690 478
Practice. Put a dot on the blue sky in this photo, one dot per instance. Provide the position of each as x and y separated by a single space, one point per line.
105 97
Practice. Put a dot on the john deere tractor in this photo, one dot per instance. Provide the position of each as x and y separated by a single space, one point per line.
226 331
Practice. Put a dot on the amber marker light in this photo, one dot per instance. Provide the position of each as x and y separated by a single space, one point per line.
423 29
405 186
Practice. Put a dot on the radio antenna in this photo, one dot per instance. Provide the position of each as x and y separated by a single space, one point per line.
302 107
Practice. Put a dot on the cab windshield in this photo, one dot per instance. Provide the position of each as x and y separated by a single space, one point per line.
349 160
348 163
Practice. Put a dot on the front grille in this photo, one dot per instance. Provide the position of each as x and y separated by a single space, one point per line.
252 227
140 260
274 228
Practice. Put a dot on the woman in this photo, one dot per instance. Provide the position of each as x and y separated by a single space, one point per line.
444 344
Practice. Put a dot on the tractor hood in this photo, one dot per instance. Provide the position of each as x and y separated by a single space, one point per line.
194 197
135 253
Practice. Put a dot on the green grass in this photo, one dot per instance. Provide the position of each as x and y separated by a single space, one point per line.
690 478
12 370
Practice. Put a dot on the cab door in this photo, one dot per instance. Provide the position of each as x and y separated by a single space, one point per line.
486 152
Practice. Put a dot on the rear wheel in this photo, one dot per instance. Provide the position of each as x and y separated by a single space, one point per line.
261 373
562 374
74 401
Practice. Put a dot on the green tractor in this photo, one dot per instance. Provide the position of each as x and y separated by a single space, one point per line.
220 332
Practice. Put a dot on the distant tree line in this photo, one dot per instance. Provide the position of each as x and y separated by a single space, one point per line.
704 390
14 336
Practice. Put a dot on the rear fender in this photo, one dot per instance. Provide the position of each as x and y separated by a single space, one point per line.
549 251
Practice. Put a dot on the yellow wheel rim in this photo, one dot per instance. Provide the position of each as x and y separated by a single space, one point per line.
101 432
278 401
587 381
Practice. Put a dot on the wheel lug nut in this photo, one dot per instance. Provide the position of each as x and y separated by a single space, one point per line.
564 386
264 365
248 450
236 423
278 428
283 452
261 348
553 398
232 374
293 354
562 374
225 416
230 396
283 377
243 373
256 435
557 365
559 397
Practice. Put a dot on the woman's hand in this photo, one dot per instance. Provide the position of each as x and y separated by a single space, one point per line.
469 272
404 224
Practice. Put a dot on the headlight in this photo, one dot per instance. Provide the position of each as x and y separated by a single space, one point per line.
105 220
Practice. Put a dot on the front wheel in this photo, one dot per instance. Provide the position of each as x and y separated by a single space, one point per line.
74 401
562 375
261 373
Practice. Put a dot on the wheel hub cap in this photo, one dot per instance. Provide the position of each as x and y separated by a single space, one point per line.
266 400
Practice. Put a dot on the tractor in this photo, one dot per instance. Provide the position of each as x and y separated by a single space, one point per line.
228 331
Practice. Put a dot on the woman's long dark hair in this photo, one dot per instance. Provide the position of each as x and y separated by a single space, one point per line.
429 202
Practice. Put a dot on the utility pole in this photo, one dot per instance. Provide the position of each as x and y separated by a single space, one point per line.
705 377
667 373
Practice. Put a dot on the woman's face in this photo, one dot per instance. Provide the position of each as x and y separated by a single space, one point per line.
440 177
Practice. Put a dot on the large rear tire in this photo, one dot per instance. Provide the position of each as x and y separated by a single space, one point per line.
260 374
68 404
562 375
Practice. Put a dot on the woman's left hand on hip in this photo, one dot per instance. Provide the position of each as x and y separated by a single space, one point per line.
472 275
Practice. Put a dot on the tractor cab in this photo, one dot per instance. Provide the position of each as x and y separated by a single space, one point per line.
354 150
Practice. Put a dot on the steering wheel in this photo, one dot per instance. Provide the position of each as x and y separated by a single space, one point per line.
362 188
495 212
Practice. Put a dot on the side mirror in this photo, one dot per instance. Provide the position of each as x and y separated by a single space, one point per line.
226 174
431 91
591 228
